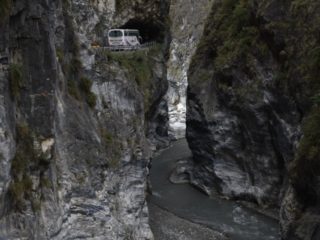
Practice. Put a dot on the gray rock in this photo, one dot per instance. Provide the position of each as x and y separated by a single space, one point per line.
167 226
244 119
72 169
188 18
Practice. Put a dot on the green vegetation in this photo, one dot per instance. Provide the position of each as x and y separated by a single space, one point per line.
60 54
85 86
232 35
138 65
78 86
136 62
21 185
99 28
75 65
91 99
238 36
26 160
114 162
302 67
129 234
305 169
5 7
73 89
120 5
232 41
113 147
19 191
15 80
107 137
204 75
316 99
45 182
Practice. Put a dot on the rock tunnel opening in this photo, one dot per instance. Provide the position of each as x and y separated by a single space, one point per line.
149 29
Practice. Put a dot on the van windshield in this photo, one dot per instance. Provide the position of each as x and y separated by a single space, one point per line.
115 33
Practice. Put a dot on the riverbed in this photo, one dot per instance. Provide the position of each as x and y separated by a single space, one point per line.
228 217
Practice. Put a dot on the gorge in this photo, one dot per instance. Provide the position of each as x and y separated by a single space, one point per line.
90 138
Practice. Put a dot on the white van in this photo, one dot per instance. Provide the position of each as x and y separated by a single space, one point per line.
124 37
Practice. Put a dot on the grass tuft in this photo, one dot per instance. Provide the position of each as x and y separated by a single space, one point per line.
15 80
5 8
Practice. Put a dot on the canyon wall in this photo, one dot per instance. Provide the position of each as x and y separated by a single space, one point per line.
253 108
78 125
187 20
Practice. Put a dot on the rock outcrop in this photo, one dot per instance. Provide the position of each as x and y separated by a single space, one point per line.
78 125
74 120
252 108
187 22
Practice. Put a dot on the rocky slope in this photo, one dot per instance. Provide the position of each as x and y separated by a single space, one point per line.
74 120
252 108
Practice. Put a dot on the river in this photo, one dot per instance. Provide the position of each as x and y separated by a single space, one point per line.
183 200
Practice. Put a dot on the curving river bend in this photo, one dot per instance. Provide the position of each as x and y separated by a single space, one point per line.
229 217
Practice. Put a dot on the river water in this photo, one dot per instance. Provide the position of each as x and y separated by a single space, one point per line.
229 217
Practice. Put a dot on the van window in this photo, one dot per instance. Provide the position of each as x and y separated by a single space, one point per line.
115 34
132 33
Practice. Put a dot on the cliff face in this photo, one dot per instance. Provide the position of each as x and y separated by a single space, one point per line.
252 108
187 22
74 120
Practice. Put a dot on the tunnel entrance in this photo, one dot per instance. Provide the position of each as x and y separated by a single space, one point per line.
149 30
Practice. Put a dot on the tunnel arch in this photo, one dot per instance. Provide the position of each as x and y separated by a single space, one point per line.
149 29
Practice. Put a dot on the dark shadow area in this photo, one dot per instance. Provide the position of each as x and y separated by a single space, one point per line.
149 31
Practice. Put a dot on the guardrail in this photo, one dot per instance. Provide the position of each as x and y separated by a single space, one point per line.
143 46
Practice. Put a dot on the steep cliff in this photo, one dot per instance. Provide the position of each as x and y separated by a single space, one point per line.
187 19
75 120
252 108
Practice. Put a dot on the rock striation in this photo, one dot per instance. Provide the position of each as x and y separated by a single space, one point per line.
187 23
78 125
252 108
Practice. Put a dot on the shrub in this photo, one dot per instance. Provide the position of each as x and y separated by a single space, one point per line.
85 86
91 99
60 54
237 35
73 89
107 137
15 80
75 65
21 185
305 169
120 4
114 162
138 66
20 190
5 7
316 99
